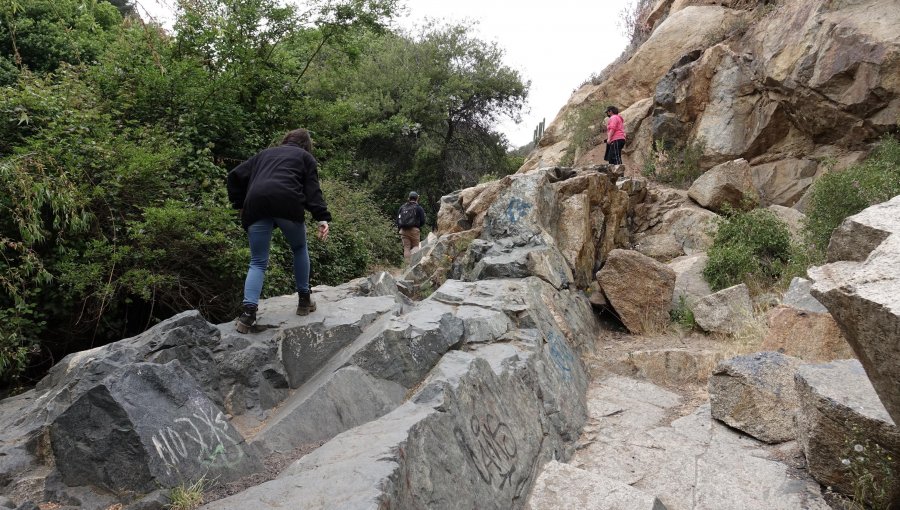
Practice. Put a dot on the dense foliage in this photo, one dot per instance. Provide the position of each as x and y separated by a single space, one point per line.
116 136
752 247
837 195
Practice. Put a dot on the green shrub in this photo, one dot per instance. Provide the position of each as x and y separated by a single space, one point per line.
837 195
678 165
361 237
749 247
682 314
586 123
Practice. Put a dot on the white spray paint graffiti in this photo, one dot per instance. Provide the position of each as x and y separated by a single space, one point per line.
203 436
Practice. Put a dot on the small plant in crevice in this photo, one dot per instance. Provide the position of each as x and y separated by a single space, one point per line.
676 164
870 469
682 314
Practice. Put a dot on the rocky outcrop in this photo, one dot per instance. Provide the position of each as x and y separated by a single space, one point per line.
639 289
860 291
783 86
493 364
755 394
558 224
840 422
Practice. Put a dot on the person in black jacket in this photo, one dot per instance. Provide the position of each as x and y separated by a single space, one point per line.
275 188
410 220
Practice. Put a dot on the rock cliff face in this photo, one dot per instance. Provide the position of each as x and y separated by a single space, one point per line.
791 87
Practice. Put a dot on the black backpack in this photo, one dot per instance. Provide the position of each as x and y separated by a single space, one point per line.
408 216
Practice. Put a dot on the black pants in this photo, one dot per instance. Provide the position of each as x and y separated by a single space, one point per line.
614 152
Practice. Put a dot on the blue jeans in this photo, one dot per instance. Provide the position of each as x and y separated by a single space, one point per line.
260 235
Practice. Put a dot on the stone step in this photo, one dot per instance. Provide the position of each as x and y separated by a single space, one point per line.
566 487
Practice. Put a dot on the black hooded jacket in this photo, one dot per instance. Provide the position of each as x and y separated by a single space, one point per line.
279 182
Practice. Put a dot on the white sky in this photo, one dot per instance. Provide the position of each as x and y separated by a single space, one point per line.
557 45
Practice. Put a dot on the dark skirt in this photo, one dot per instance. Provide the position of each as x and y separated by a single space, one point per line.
614 152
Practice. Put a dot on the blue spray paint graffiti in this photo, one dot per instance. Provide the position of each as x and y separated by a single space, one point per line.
517 209
561 355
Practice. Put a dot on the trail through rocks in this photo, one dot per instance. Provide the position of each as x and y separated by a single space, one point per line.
650 442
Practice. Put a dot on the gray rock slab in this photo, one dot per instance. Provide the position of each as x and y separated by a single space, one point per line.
861 292
755 393
343 399
565 487
409 346
145 426
839 409
725 311
485 401
798 296
306 347
693 463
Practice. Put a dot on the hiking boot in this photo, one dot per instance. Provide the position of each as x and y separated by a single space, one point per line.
247 319
305 304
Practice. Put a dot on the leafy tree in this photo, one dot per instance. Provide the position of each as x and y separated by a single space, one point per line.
42 34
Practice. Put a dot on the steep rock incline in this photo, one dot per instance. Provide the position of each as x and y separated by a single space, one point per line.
783 85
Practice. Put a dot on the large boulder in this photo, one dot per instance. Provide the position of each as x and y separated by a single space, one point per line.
862 293
144 426
810 336
755 394
839 410
639 290
728 184
726 311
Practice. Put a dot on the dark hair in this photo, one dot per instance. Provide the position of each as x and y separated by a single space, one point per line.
612 109
298 137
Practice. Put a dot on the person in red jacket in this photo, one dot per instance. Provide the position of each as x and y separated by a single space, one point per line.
615 136
275 188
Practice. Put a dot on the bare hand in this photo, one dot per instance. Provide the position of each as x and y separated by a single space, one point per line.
322 232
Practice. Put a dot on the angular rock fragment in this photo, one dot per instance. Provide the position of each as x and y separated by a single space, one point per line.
639 290
755 394
725 311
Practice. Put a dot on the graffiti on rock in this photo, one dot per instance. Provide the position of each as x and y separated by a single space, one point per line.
494 452
202 437
517 209
561 354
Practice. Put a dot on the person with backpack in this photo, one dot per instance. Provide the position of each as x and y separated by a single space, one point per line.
615 136
272 189
410 220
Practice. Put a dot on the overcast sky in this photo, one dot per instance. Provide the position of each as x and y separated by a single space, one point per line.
556 44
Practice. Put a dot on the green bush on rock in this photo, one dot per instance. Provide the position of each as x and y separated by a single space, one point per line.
749 247
837 195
